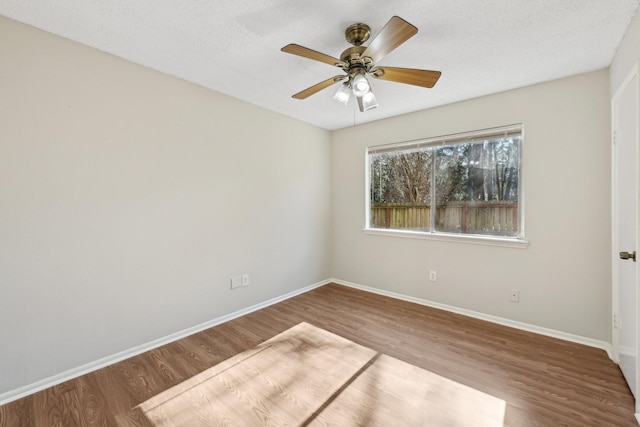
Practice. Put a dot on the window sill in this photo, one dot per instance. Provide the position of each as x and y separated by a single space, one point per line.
457 238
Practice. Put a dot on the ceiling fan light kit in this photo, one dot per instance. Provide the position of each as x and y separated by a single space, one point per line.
367 102
357 61
359 83
343 94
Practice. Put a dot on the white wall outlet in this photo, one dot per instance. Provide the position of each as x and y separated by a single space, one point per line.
245 280
515 295
433 275
236 282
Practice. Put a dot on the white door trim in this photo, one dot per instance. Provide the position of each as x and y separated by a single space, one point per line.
634 73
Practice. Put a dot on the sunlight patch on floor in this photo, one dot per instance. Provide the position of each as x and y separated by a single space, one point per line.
308 376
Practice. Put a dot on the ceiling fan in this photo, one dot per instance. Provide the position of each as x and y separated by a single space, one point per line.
359 61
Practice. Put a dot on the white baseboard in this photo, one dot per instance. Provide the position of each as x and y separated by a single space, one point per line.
26 390
134 351
489 318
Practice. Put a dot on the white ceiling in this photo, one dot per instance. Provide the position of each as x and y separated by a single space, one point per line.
233 47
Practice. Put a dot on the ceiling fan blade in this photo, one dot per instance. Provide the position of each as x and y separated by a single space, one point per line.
305 52
394 33
318 87
410 76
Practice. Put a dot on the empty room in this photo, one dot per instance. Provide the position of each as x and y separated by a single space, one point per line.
319 213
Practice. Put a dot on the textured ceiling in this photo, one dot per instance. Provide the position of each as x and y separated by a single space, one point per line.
233 47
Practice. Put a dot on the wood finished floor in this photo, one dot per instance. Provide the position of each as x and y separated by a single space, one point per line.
544 381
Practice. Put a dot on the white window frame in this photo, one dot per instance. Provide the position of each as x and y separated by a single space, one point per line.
518 241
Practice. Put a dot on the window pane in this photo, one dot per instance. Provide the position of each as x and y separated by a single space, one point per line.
471 180
477 187
401 189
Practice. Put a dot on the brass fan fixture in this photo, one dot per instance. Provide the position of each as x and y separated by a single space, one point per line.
359 61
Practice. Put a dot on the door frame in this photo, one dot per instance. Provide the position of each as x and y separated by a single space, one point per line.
634 73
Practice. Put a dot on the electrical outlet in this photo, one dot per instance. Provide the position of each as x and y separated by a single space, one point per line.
515 295
433 275
245 280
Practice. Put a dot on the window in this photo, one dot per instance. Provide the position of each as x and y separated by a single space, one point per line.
463 184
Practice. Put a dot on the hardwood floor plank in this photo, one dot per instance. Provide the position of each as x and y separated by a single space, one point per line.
17 413
544 381
57 406
91 402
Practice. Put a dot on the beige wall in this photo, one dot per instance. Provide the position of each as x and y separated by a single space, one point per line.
129 198
563 276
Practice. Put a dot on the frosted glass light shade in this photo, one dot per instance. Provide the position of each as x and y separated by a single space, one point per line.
360 85
343 94
368 101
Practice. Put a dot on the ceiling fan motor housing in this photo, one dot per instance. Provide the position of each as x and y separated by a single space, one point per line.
352 57
356 64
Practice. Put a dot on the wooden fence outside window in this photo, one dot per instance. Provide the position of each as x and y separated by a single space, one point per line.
497 218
